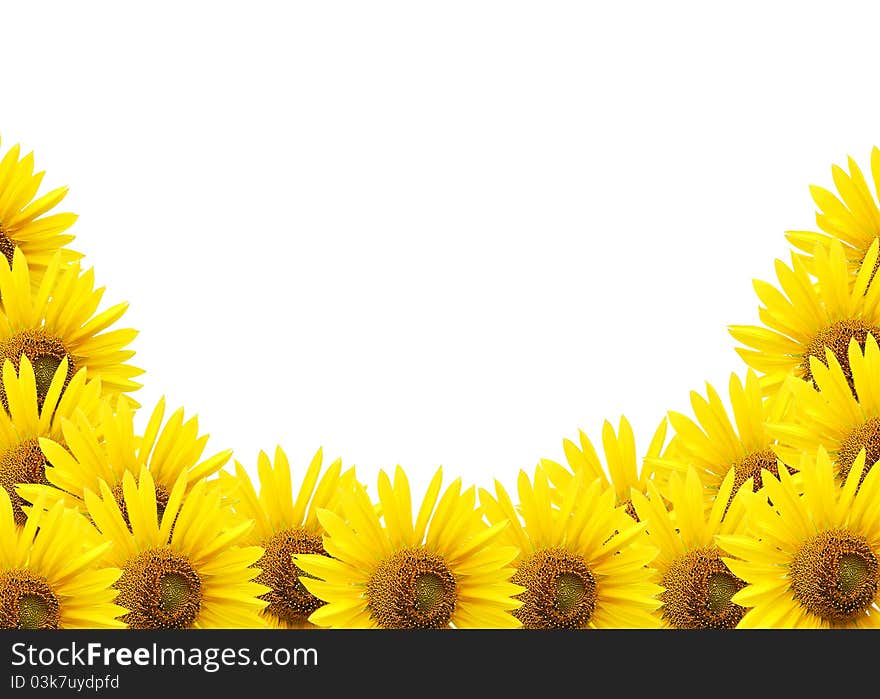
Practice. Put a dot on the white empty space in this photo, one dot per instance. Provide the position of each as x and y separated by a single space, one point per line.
436 233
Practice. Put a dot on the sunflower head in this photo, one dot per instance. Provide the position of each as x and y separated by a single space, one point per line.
820 306
56 319
286 525
26 224
810 555
106 447
625 468
717 441
842 414
583 563
851 216
444 568
51 575
698 587
27 418
185 568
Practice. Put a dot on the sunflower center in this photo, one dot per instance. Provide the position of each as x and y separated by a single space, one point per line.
560 590
752 466
698 587
7 246
23 463
836 337
289 601
570 591
720 588
834 575
429 592
412 589
162 496
26 601
45 353
865 437
160 589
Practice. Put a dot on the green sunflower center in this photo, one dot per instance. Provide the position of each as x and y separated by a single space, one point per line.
23 463
428 593
865 437
289 601
570 592
174 592
161 590
837 337
412 589
698 591
560 590
45 353
27 601
834 575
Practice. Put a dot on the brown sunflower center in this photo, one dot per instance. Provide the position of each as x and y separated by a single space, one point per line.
160 589
865 437
289 601
560 590
698 587
753 466
836 337
45 353
412 589
162 496
26 601
7 246
834 575
23 463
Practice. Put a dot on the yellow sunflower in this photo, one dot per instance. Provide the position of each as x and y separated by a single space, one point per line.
853 217
286 526
697 586
714 443
50 574
85 456
27 419
23 225
843 415
810 559
620 456
185 567
58 321
445 569
808 317
583 564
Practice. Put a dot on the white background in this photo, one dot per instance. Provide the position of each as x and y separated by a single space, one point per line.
436 233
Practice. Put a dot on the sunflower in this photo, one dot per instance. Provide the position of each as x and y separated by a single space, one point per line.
50 577
811 559
26 421
810 316
843 415
58 321
286 526
620 455
583 564
23 225
445 569
697 586
86 456
714 443
853 217
182 568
